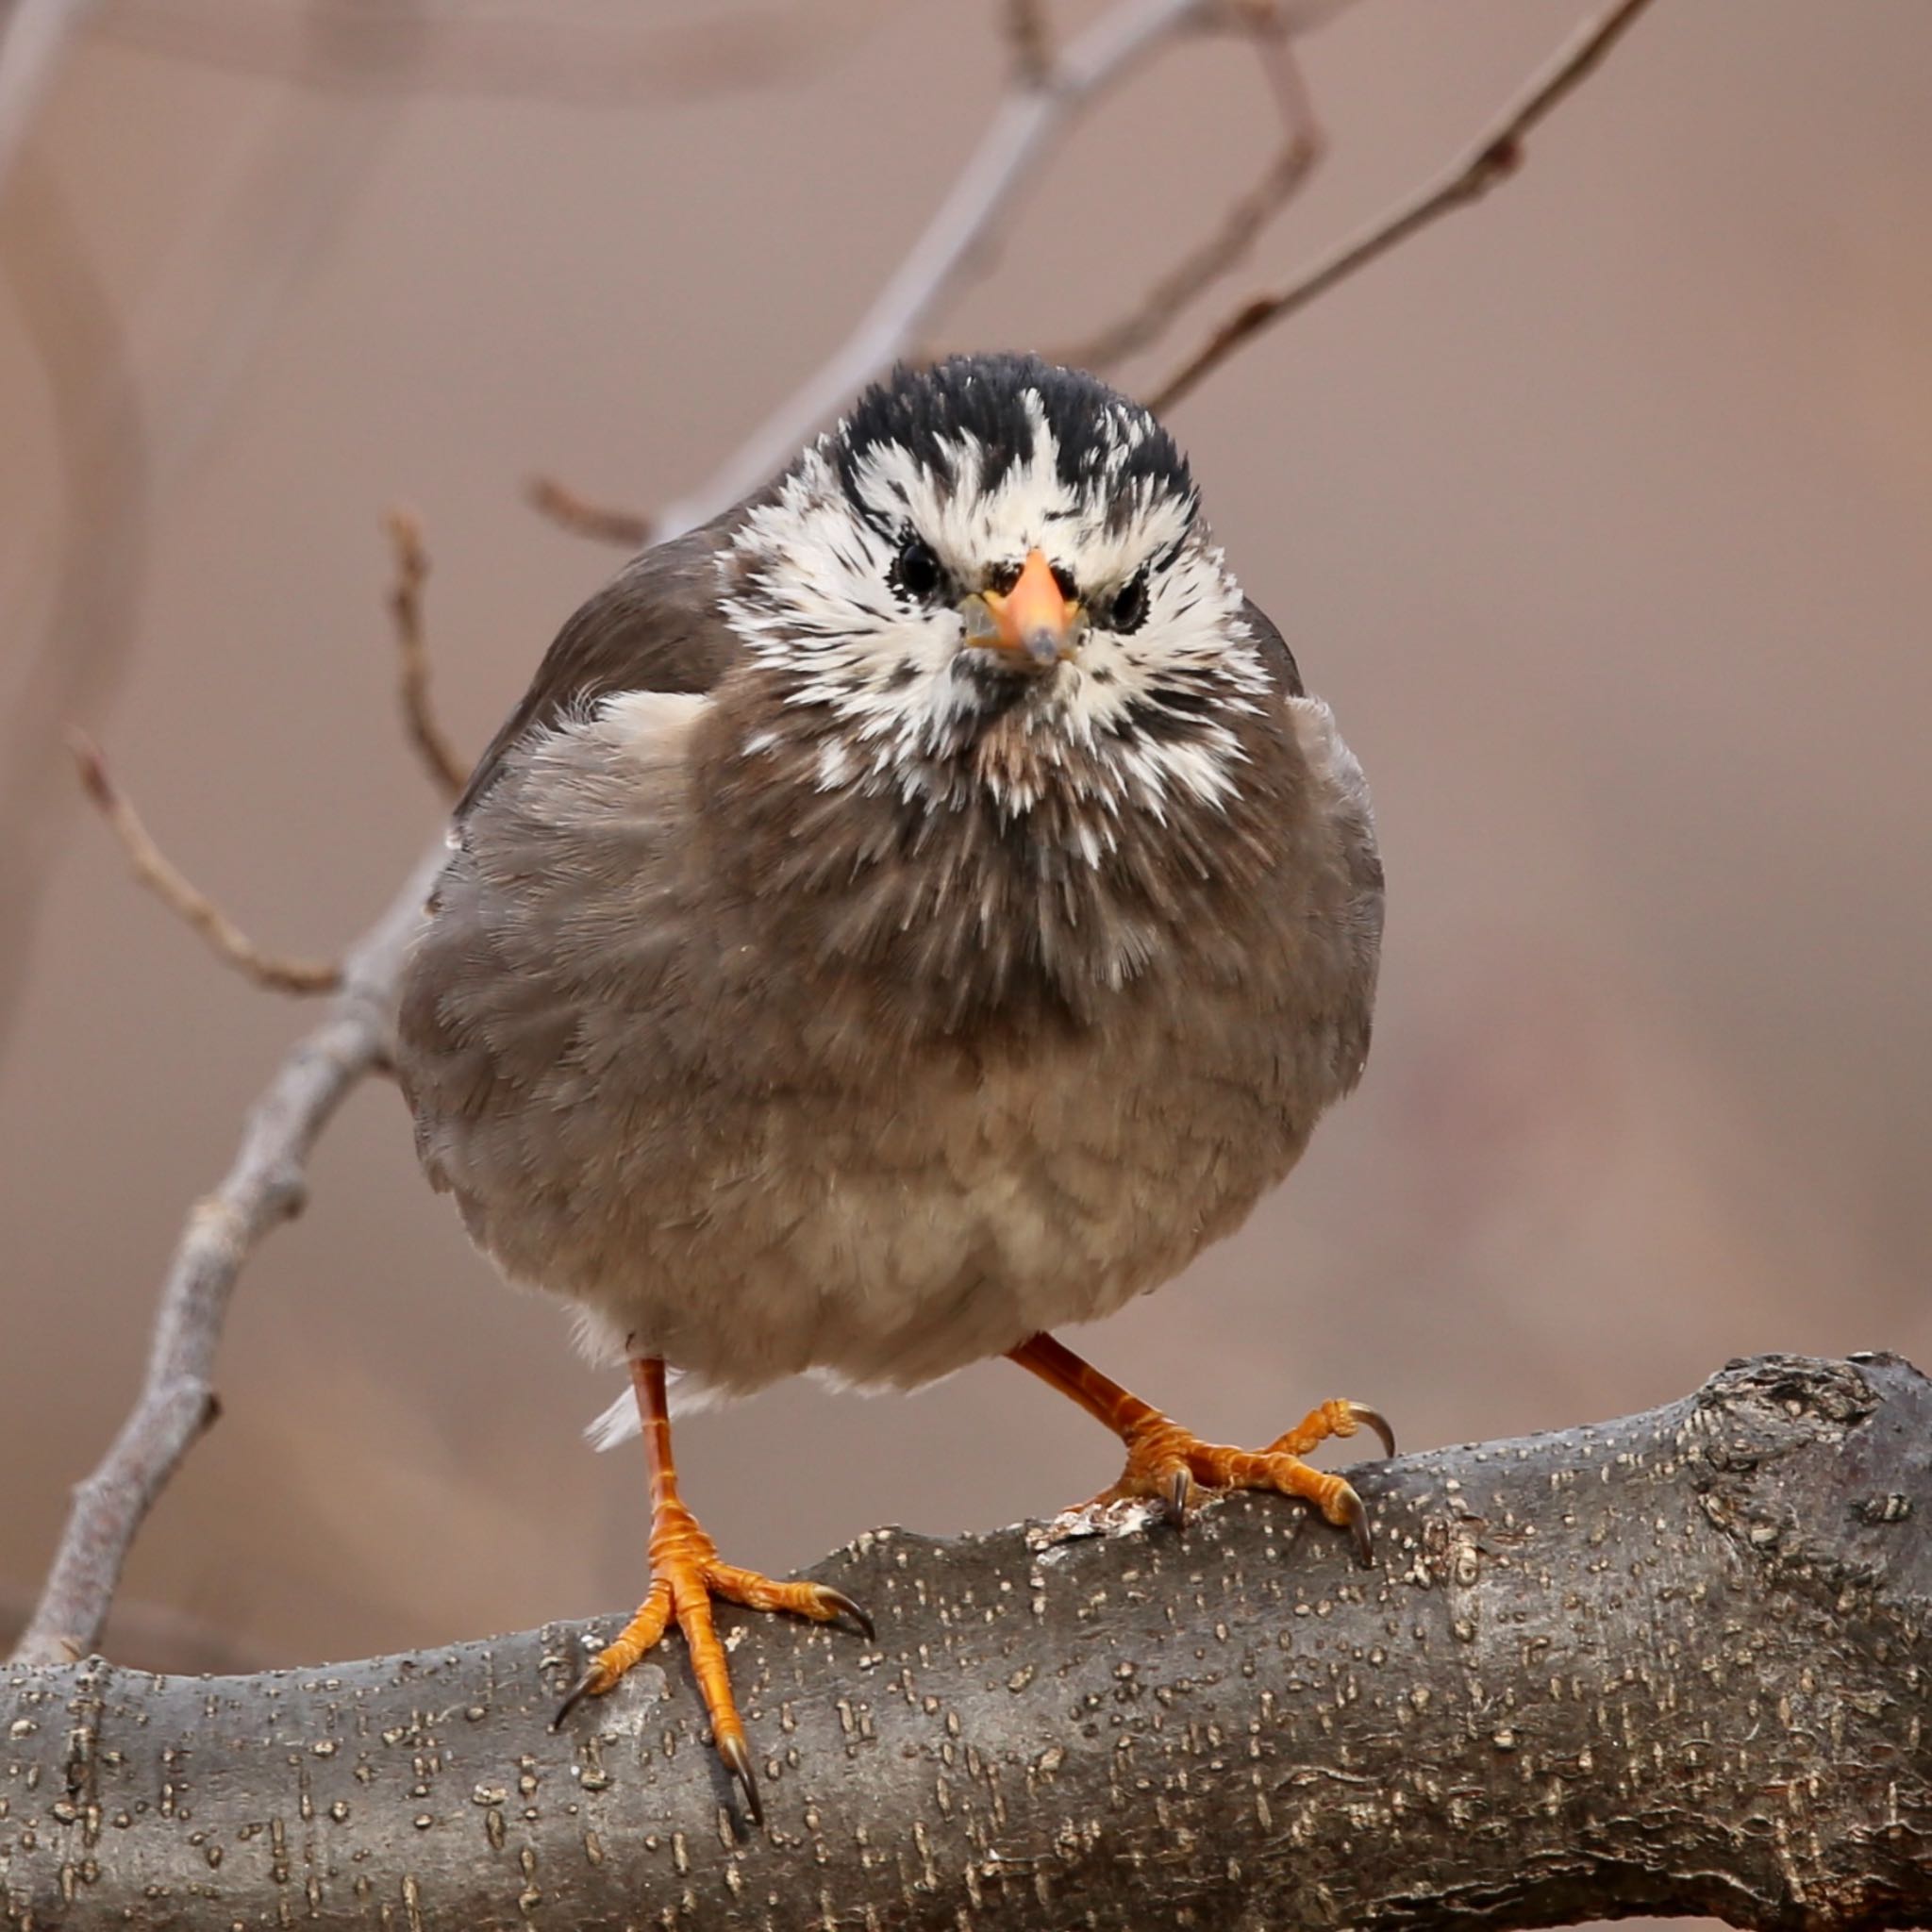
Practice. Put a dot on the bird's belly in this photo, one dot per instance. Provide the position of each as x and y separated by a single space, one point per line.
895 1243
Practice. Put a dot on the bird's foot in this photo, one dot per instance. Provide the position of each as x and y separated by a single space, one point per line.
686 1576
1169 1464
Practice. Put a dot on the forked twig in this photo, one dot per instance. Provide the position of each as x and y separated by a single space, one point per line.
161 875
1494 159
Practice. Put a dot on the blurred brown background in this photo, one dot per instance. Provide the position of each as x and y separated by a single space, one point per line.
1603 514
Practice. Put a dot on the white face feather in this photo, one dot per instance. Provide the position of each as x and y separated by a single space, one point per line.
810 591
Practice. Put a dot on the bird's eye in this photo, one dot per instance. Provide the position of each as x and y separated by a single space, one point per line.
916 571
1129 610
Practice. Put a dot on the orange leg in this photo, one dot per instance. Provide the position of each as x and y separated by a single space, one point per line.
686 1574
1168 1462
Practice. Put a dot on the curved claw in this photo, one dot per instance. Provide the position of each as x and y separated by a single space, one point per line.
1373 1418
738 1762
1180 1487
846 1607
584 1686
1354 1518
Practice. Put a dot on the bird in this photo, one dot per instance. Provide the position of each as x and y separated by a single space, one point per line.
919 909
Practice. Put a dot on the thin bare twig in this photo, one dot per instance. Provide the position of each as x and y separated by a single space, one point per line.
1272 25
1217 256
1036 111
1494 159
262 1188
447 770
1223 251
629 529
168 884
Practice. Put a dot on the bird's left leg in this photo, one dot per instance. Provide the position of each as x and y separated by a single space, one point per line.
1168 1463
686 1576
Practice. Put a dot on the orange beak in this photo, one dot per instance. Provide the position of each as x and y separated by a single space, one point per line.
1033 620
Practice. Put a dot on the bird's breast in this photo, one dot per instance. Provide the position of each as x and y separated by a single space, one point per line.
893 1229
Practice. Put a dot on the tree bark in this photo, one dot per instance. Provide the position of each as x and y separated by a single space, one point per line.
1672 1664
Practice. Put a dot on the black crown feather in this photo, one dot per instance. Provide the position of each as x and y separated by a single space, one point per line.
926 411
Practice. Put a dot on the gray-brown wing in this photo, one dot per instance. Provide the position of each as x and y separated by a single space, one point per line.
1346 889
488 1012
655 626
534 1041
1275 652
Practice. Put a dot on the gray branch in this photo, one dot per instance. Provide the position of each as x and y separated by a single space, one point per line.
1672 1664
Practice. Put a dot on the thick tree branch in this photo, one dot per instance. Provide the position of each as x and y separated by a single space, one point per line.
1671 1664
1494 159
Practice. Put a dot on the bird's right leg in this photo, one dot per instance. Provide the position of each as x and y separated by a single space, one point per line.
1168 1463
686 1574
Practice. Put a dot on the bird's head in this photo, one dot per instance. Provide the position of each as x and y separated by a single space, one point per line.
995 575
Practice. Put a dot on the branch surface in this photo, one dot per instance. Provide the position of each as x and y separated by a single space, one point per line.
1671 1664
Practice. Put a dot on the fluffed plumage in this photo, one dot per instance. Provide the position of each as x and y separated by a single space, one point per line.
797 999
919 909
